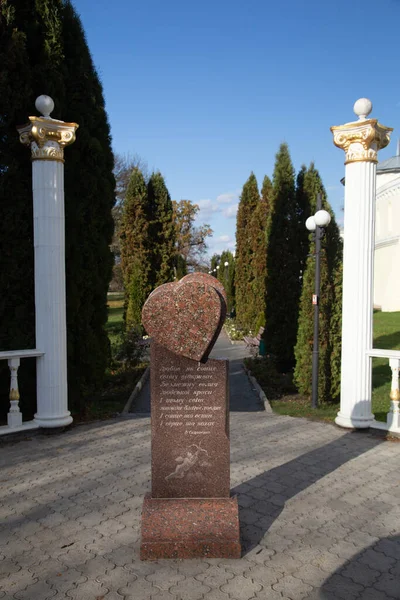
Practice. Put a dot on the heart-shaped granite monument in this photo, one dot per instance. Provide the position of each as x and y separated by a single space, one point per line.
186 317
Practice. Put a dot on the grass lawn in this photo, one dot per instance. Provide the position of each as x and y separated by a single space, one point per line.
115 314
285 400
386 337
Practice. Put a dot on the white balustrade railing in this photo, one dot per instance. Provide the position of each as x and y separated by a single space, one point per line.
393 416
14 417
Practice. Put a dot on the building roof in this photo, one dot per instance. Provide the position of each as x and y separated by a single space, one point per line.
390 165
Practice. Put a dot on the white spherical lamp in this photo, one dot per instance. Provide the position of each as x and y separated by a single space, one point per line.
45 105
311 224
322 218
226 264
362 108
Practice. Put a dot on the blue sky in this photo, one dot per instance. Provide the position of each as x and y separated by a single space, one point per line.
206 91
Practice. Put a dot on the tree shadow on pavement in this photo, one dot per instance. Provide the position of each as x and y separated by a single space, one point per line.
242 396
263 498
373 574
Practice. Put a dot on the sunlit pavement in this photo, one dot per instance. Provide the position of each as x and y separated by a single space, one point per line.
320 515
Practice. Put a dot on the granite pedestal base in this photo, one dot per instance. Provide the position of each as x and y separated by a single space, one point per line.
190 528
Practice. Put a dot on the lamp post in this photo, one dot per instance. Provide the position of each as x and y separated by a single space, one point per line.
226 273
317 224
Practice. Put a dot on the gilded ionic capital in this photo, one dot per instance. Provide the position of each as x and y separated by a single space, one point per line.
362 139
46 136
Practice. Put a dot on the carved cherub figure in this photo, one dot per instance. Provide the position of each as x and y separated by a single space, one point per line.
185 464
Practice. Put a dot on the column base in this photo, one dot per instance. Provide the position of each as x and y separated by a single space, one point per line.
354 422
190 528
48 422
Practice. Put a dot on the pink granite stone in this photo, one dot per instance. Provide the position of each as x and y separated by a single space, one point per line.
190 528
185 317
213 282
190 512
189 426
209 280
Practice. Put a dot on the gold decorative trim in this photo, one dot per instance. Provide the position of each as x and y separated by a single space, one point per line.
48 151
47 137
361 140
14 395
395 395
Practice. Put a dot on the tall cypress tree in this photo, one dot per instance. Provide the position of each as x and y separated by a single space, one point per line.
329 303
284 260
136 249
43 51
214 263
259 229
246 307
89 191
162 231
226 275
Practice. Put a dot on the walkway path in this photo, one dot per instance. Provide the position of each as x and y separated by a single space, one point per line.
242 396
320 515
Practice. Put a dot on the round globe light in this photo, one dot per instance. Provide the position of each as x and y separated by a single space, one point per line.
322 218
362 108
311 224
217 267
45 105
226 264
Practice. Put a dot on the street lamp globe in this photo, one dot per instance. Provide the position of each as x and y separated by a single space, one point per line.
217 267
226 264
311 224
322 218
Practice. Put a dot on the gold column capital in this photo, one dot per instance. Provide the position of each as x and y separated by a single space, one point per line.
361 140
47 137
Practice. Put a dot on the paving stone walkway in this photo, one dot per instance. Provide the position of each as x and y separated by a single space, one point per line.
320 515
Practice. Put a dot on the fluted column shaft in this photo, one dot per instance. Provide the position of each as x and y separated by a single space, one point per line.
358 263
47 138
50 302
361 141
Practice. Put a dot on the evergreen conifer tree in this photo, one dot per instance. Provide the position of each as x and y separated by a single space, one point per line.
43 51
161 231
136 249
226 275
285 258
259 228
246 304
329 303
89 192
180 267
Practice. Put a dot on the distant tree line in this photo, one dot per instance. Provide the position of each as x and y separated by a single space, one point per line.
274 273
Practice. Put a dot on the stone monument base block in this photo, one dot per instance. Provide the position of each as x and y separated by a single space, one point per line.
190 528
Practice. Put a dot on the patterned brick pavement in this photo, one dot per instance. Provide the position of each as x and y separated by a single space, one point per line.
320 515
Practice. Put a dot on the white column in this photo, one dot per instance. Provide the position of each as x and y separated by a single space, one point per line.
361 141
47 138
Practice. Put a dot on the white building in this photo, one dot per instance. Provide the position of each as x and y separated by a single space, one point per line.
387 235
